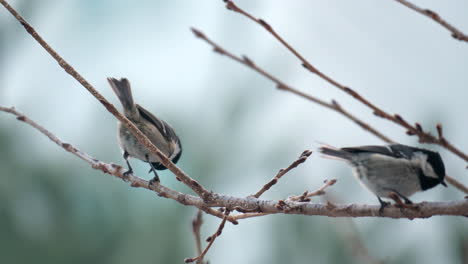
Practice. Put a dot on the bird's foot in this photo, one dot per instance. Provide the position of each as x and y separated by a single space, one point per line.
408 204
154 180
382 206
407 201
126 174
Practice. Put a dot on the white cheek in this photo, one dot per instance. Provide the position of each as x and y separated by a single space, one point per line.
428 171
176 148
420 159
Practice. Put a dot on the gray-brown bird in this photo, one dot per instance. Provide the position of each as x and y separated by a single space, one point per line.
161 134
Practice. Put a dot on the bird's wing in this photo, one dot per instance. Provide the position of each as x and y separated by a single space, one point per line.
392 150
166 130
384 150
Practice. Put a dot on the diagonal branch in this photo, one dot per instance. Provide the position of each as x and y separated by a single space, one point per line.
186 179
333 105
424 137
457 184
283 86
196 226
456 33
282 172
210 240
305 197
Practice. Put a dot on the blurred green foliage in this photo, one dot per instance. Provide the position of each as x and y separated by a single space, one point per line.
49 214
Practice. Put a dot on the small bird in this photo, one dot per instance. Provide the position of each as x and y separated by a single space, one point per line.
392 171
160 133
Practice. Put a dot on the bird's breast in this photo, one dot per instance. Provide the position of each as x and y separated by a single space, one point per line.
129 143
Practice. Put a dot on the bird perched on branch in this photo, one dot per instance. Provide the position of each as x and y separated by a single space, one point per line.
393 171
160 133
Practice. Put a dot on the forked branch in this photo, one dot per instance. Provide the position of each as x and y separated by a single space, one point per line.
210 239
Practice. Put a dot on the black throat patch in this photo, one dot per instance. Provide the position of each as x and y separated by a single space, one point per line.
437 164
427 182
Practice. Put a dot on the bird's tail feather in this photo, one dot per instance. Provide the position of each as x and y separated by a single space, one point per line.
124 93
334 153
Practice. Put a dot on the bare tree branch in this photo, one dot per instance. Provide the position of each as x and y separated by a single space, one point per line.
424 137
196 226
333 105
282 172
210 240
283 86
305 197
456 33
186 179
253 205
249 215
455 183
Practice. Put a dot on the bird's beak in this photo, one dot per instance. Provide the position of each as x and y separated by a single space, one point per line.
443 183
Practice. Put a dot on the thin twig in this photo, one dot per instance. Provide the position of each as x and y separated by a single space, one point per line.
333 105
302 158
283 86
196 226
463 248
210 239
456 33
424 137
455 183
305 197
186 179
248 215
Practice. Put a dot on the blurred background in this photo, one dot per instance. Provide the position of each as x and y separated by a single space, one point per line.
237 130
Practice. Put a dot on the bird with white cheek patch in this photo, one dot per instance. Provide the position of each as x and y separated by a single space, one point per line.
393 171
